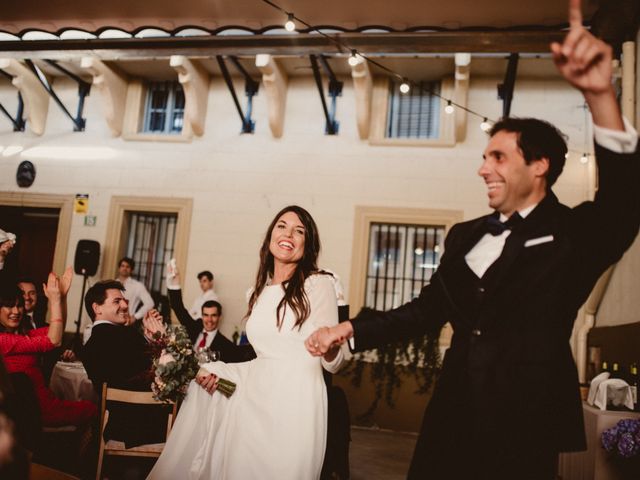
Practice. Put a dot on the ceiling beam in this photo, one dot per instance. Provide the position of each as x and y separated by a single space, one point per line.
502 41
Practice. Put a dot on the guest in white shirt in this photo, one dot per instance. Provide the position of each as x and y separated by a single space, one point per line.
206 285
140 301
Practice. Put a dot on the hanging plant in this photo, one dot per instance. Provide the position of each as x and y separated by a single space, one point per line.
418 358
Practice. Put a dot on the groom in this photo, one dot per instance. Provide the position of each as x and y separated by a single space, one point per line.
511 284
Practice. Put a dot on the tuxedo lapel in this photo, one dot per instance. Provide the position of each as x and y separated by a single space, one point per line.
529 228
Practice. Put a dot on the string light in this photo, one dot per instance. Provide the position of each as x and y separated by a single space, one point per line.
449 108
566 156
290 25
584 158
354 59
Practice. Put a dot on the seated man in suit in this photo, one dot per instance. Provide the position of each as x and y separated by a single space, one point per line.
119 355
204 331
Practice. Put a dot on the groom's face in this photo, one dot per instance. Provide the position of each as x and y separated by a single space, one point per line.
512 184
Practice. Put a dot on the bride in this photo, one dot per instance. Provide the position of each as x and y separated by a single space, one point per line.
275 424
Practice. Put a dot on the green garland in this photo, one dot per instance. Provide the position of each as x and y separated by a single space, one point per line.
418 358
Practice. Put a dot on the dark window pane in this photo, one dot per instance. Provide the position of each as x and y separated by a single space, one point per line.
402 259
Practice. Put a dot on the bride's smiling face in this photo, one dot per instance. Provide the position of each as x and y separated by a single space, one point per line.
287 239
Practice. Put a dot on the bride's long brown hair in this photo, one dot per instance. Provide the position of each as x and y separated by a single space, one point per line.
294 294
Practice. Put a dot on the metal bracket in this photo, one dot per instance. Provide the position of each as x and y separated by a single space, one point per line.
18 122
335 90
505 89
83 90
251 87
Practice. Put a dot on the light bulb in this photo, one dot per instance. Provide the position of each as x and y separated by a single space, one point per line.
404 87
584 158
449 108
566 156
290 25
485 126
354 59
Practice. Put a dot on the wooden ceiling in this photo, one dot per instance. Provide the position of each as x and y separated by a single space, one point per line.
400 15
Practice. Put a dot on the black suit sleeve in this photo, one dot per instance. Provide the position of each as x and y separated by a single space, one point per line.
193 327
231 353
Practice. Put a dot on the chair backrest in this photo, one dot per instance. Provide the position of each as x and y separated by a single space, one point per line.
128 396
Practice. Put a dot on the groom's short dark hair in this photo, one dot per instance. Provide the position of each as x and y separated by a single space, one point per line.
537 139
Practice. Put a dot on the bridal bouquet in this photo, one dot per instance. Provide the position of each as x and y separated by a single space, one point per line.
175 364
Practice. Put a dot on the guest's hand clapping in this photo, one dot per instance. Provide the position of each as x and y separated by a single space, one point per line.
153 323
65 281
52 288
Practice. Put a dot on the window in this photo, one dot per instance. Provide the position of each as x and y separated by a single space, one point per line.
415 114
164 108
402 259
150 242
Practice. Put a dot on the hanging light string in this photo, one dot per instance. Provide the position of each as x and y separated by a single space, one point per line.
406 83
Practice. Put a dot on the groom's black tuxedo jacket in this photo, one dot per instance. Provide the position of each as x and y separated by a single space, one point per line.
509 383
229 352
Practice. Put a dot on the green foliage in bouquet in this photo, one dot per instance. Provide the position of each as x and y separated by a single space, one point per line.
174 364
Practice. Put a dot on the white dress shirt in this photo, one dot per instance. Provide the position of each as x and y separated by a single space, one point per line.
196 309
210 336
136 293
490 247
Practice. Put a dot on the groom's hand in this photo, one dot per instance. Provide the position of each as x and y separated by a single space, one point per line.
585 62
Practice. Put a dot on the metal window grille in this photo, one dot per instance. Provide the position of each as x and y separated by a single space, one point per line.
402 259
151 243
164 108
415 114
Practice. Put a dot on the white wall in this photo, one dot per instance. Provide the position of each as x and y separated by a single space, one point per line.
238 182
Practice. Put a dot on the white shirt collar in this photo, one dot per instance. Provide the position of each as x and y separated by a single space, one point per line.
523 213
99 322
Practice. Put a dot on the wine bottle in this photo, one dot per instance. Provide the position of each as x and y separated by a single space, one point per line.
604 367
633 382
615 370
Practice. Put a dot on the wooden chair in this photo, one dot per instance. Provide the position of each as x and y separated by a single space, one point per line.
114 447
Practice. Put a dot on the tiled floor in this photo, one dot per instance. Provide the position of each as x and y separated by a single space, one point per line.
380 454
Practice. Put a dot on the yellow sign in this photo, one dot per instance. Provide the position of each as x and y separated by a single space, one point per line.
81 204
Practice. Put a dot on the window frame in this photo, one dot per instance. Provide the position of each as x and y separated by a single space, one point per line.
364 217
380 110
169 111
134 117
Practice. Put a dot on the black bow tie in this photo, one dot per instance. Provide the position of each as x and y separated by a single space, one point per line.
494 226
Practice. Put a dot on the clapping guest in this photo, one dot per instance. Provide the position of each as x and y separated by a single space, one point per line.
204 331
118 354
21 348
205 278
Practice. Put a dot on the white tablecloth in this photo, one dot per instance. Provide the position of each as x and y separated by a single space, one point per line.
69 381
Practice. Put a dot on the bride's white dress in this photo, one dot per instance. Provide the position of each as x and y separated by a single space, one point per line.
275 424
